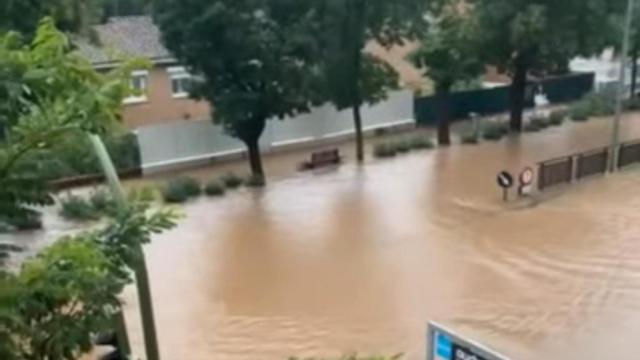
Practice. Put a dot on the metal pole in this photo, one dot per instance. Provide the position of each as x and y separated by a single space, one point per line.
142 277
615 136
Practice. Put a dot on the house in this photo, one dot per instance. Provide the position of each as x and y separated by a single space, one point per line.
162 90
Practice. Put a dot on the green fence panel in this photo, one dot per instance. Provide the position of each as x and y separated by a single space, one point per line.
496 100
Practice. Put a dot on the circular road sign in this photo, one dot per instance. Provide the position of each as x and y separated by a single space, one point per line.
526 176
505 180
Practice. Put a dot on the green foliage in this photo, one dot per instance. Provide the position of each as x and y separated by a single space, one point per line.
384 150
594 104
180 189
579 112
469 139
145 194
51 94
74 207
402 146
59 299
255 181
537 123
420 142
231 180
632 104
265 65
214 188
557 117
495 131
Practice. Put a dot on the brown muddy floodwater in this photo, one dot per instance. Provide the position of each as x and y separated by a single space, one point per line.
358 259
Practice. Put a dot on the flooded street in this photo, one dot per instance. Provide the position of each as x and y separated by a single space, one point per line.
358 259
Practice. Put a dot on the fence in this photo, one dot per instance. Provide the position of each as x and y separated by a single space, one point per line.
554 172
200 142
629 154
497 100
592 163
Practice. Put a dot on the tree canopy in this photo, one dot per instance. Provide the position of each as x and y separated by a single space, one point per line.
256 59
353 77
50 93
521 37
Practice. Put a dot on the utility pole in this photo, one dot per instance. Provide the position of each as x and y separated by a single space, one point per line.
615 136
142 277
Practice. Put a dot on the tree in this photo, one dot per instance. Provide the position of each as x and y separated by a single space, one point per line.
50 93
255 58
70 15
522 37
56 303
125 7
448 55
354 77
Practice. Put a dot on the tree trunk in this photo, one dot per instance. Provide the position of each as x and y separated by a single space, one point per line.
634 70
518 92
443 109
357 120
255 158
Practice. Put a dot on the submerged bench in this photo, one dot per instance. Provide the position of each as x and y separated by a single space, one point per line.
322 158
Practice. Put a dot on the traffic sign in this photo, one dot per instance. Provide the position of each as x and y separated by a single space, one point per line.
526 176
505 180
444 344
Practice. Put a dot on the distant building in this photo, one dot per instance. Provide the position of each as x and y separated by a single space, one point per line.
163 89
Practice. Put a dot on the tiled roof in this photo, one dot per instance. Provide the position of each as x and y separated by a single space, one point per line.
127 36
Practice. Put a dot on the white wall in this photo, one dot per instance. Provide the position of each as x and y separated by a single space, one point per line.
190 142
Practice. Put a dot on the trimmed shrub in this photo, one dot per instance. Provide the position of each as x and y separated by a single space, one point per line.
384 150
214 188
146 194
181 189
255 181
402 146
102 202
557 117
420 142
469 139
579 112
540 122
495 132
231 180
76 208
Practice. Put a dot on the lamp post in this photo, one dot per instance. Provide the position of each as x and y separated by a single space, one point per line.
615 136
142 277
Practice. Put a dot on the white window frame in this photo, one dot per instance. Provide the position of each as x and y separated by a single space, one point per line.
142 97
178 73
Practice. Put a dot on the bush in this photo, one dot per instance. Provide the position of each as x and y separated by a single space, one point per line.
540 121
579 112
532 127
214 188
231 181
469 139
557 117
102 202
402 146
495 132
420 142
145 194
255 181
181 189
384 150
632 104
77 208
21 219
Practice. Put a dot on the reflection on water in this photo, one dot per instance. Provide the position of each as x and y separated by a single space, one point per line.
359 259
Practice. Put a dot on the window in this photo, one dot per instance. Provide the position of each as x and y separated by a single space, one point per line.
180 81
139 81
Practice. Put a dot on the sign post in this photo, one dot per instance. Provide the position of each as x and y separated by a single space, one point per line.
505 181
445 344
526 179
